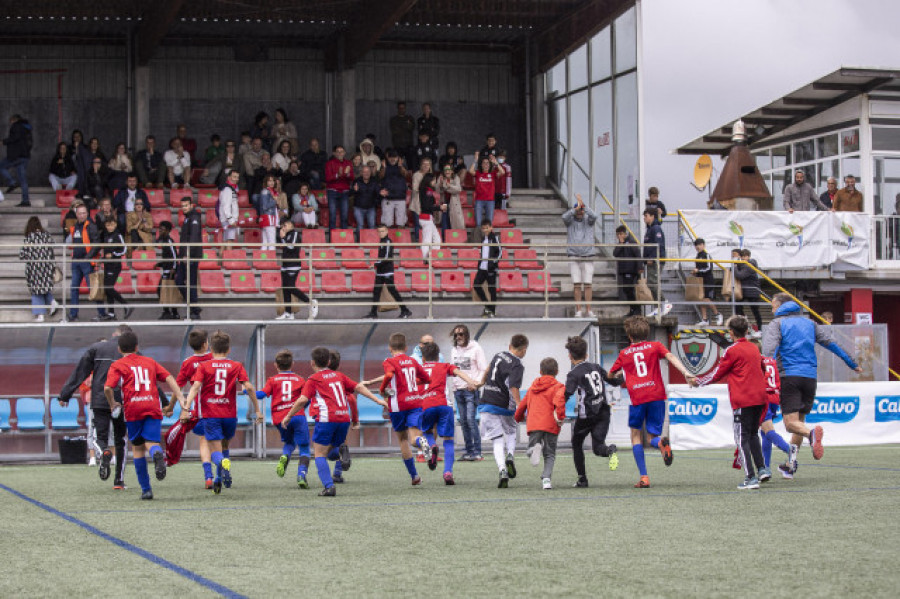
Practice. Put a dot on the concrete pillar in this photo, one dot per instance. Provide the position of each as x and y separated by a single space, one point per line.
345 104
858 304
142 106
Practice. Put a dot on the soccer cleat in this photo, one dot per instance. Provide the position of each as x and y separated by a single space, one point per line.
581 483
282 465
765 475
301 481
644 483
815 438
666 450
510 465
226 473
416 481
119 485
786 471
448 478
504 479
338 479
159 464
420 457
750 482
105 459
344 452
546 484
328 492
422 442
432 463
217 485
148 494
209 483
534 453
792 457
613 456
313 309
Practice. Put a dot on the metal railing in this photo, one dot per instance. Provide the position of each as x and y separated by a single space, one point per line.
886 236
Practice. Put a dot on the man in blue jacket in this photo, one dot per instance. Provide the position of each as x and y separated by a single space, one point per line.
654 247
792 337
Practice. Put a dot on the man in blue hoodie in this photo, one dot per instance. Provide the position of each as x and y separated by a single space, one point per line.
792 337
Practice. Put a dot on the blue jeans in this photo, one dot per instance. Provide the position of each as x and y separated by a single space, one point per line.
485 208
41 300
467 404
21 165
364 214
80 272
338 199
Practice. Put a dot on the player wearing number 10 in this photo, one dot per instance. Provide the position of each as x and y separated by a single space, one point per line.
639 363
138 376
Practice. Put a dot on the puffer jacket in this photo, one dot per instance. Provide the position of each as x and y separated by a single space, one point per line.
545 404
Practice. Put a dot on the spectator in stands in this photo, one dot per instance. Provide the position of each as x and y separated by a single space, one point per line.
393 191
312 164
217 167
384 274
95 181
285 130
178 164
305 208
490 146
449 186
468 356
430 124
338 177
749 279
139 227
282 202
282 158
425 149
366 194
227 206
123 201
432 211
504 182
654 204
487 269
261 130
214 150
453 158
150 165
828 196
187 272
654 248
704 269
83 237
105 212
485 187
167 257
189 144
268 212
848 199
258 181
79 152
291 179
290 268
628 266
800 195
415 206
113 251
62 169
18 153
119 167
579 221
367 152
37 252
246 142
402 127
357 162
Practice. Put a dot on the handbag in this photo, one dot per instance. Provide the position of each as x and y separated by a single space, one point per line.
642 291
95 281
169 294
693 289
727 286
386 302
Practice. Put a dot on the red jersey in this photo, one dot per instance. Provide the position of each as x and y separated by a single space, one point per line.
218 394
773 379
742 364
485 184
504 180
138 375
639 363
284 388
189 367
436 393
405 377
330 394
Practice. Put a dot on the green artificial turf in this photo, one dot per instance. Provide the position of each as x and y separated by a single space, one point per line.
833 531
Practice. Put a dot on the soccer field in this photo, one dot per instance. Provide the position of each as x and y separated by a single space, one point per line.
833 531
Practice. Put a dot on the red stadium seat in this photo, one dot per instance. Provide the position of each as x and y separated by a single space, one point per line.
511 282
354 259
501 219
143 260
175 196
157 198
307 285
147 282
159 215
511 238
124 283
421 281
334 282
442 259
362 281
210 260
265 260
235 260
401 236
270 282
244 199
400 282
454 281
64 197
455 236
527 260
342 237
313 236
323 215
469 218
468 258
536 283
212 219
212 237
243 282
465 199
411 258
212 281
248 218
252 236
208 198
369 236
323 259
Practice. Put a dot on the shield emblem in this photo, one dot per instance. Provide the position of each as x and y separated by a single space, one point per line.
696 352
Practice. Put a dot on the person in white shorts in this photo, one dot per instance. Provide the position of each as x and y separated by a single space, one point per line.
579 221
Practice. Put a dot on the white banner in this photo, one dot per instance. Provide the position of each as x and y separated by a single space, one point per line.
850 413
781 239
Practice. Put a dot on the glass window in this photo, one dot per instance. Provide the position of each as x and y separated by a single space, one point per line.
850 166
559 132
601 106
578 68
886 138
780 180
581 144
781 156
600 58
827 146
626 41
626 142
887 188
827 168
804 151
850 141
556 79
763 160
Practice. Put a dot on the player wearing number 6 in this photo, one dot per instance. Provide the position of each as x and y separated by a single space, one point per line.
138 376
639 363
216 381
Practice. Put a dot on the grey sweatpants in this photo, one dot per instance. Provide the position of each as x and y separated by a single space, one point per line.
548 440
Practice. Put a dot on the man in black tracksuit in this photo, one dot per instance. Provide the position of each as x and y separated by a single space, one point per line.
487 269
384 275
191 232
627 271
168 255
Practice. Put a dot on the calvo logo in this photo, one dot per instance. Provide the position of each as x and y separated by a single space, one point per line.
834 409
887 408
692 410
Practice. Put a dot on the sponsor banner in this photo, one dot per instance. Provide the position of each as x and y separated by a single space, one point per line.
783 240
850 413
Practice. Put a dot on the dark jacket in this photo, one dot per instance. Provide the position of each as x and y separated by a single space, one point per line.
290 184
430 125
654 242
424 150
749 279
191 232
658 206
384 265
150 161
112 254
428 201
290 251
494 252
456 161
18 144
84 239
96 182
167 253
313 161
628 249
66 169
118 202
705 269
394 182
366 194
825 198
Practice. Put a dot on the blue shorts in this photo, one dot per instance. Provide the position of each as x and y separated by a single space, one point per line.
442 416
330 433
653 413
771 413
407 419
218 429
145 430
295 432
198 429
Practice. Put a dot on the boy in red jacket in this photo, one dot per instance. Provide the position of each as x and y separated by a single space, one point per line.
545 403
743 365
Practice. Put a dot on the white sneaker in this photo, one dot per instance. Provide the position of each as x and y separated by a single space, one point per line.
93 461
703 323
534 453
546 484
285 316
579 314
590 314
313 309
54 308
39 318
719 320
667 307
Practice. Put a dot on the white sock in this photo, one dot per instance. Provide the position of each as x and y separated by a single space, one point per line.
500 452
511 444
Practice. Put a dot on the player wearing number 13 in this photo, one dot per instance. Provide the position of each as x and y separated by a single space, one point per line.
138 376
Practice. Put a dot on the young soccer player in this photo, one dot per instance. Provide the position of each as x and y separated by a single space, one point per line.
284 388
333 409
437 411
545 403
138 376
339 455
639 363
198 340
499 397
215 382
586 381
404 382
742 364
767 429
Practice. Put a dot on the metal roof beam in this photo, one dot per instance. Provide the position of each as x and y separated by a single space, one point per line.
154 27
789 101
372 21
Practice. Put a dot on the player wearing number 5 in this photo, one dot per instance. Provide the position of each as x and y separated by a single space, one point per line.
216 381
639 363
138 376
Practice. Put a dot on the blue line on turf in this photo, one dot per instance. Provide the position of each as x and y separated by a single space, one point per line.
151 557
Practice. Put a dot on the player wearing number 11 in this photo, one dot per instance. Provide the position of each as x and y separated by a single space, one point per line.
639 363
138 376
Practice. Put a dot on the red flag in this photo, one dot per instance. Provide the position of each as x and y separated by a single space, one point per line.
175 439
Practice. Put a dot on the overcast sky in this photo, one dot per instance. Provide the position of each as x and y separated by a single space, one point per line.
707 62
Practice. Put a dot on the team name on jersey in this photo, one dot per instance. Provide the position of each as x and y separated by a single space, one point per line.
636 348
